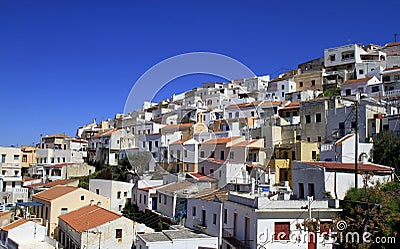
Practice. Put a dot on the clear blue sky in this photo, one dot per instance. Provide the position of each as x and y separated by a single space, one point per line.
64 63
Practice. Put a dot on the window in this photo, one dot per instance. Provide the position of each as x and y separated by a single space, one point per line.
202 154
13 184
301 190
236 114
118 233
282 230
314 155
24 158
311 191
159 198
319 139
308 139
222 155
318 118
156 143
308 119
225 215
231 155
375 89
64 210
301 83
82 197
52 160
119 207
252 113
97 191
283 87
332 57
211 171
119 195
348 92
185 153
16 157
194 211
214 219
125 194
230 115
140 198
360 71
144 199
3 158
63 159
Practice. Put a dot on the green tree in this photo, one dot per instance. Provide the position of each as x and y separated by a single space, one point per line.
386 150
374 210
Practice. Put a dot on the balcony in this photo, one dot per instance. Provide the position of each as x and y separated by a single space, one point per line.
229 238
392 93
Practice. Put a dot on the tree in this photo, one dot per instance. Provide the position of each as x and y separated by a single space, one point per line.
374 210
386 150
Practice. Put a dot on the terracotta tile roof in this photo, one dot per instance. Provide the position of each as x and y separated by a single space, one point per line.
244 105
149 188
391 69
213 160
54 193
393 44
340 141
250 144
179 141
51 184
294 104
221 140
57 136
274 103
215 196
202 178
27 179
177 127
348 82
88 217
350 166
14 225
106 133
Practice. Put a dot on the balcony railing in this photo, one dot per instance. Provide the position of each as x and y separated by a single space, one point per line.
392 93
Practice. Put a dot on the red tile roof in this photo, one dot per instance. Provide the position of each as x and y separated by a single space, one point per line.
179 141
177 127
54 193
88 217
223 140
149 188
350 166
340 141
14 225
393 44
250 144
244 105
213 160
106 133
201 177
391 69
348 82
58 165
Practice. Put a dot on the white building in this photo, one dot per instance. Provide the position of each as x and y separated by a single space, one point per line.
333 179
370 86
118 192
144 194
255 221
24 234
343 150
205 214
278 89
175 239
59 148
11 176
93 227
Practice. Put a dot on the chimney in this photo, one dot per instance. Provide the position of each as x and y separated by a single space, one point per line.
91 202
99 203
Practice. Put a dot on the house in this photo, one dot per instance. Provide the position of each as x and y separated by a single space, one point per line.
63 199
279 87
218 148
205 214
371 86
64 171
184 156
94 227
142 188
343 150
391 82
28 159
40 186
333 179
175 239
118 192
25 234
60 148
172 198
253 220
309 75
11 176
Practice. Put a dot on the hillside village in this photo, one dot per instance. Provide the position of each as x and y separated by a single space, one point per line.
224 165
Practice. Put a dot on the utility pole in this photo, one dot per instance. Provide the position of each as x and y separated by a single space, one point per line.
356 147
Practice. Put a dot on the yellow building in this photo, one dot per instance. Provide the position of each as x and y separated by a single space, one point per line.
285 154
28 157
63 199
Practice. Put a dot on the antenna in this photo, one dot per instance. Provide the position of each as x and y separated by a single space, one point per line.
395 36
